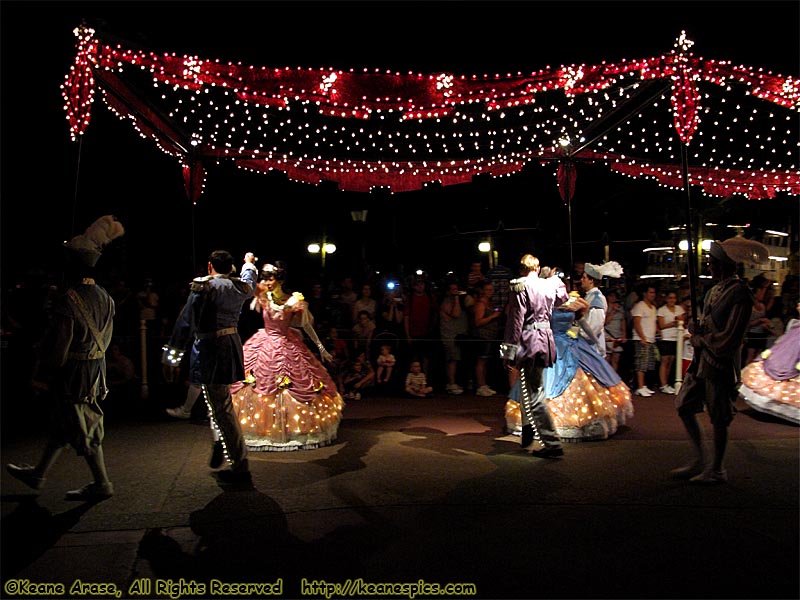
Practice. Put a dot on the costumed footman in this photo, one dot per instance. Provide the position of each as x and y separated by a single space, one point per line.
207 327
713 378
72 365
530 347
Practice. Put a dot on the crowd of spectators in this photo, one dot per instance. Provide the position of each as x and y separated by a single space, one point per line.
452 326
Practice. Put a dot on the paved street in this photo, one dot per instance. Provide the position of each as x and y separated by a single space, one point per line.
414 490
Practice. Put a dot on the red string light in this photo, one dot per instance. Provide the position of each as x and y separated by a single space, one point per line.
309 126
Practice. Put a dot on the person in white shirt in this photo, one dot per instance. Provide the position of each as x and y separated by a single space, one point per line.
668 317
643 315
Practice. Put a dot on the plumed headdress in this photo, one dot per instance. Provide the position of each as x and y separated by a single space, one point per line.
87 247
607 269
739 250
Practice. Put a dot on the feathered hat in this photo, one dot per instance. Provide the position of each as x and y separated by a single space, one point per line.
607 269
740 250
87 247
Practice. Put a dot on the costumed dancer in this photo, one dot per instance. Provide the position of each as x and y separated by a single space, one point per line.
288 401
249 271
530 348
771 383
208 324
712 382
587 398
594 319
71 366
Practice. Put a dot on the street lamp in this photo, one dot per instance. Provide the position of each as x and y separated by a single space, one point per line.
322 248
486 248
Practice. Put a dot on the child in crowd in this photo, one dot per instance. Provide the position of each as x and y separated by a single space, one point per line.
416 382
363 331
359 376
386 362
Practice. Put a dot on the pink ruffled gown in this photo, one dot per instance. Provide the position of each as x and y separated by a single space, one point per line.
293 404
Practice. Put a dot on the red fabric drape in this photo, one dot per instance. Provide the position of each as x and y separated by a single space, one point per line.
194 178
685 103
566 177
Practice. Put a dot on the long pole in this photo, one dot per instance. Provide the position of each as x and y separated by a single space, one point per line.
194 244
679 358
145 389
568 197
692 274
75 191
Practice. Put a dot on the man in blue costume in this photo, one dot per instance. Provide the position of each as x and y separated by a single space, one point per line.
209 322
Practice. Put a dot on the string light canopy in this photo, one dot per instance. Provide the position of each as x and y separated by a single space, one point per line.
402 131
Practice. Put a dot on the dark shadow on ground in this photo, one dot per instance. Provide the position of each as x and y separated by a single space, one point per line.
243 536
30 530
353 444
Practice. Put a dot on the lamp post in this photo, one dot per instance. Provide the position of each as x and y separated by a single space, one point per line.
487 248
360 217
322 248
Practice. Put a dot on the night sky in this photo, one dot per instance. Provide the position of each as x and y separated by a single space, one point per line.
51 190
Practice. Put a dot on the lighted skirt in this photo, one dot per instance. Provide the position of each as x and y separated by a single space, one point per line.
293 404
585 411
772 385
586 397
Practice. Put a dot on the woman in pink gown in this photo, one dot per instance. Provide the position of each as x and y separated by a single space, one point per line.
288 400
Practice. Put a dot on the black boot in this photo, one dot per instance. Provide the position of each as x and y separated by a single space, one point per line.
527 436
238 475
217 455
548 452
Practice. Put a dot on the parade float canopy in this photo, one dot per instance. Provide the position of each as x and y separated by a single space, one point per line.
368 130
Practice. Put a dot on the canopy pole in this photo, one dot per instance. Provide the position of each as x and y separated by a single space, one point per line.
692 273
194 249
568 198
75 190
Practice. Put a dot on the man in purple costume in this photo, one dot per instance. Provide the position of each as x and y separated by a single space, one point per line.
529 345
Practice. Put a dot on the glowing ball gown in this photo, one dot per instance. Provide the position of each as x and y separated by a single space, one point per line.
586 397
289 400
771 384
